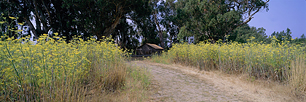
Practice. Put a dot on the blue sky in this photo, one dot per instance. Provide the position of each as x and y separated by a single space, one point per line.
282 14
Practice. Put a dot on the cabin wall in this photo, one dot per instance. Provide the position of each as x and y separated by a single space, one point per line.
147 50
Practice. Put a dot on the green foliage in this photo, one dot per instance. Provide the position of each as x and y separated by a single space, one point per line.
301 40
141 75
52 70
126 36
214 19
243 33
203 19
283 36
74 17
267 61
101 17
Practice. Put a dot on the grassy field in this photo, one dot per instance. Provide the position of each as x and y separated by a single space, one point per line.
284 63
53 70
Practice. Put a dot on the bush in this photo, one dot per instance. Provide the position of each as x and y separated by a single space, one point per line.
53 70
279 62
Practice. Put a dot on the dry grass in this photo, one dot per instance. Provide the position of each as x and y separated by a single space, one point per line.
134 89
160 59
298 78
280 64
293 90
270 61
120 84
257 90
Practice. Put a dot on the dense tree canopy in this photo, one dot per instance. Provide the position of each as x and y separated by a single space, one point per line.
73 17
245 32
149 21
101 17
283 36
214 19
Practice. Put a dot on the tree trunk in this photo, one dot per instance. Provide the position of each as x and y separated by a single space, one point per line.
111 29
32 28
160 33
171 40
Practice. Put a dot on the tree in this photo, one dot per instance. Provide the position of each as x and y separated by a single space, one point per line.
215 19
245 32
160 12
46 15
301 40
150 26
126 36
74 17
101 17
171 25
148 30
283 36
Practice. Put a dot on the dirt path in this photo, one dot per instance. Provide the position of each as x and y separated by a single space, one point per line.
174 83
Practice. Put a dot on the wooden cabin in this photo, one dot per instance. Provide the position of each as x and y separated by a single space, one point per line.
148 49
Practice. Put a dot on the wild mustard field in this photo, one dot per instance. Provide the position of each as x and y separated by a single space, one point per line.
280 62
53 70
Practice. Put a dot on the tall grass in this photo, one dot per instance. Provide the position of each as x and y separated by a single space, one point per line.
298 78
58 71
273 61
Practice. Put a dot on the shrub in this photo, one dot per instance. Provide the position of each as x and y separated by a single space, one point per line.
55 70
280 62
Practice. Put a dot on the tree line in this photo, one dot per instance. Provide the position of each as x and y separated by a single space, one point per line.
244 33
161 22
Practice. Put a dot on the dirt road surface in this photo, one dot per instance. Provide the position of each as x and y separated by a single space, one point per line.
175 83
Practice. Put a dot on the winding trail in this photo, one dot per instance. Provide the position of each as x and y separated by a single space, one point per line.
174 83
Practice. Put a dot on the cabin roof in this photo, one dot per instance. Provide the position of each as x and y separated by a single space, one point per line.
155 46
